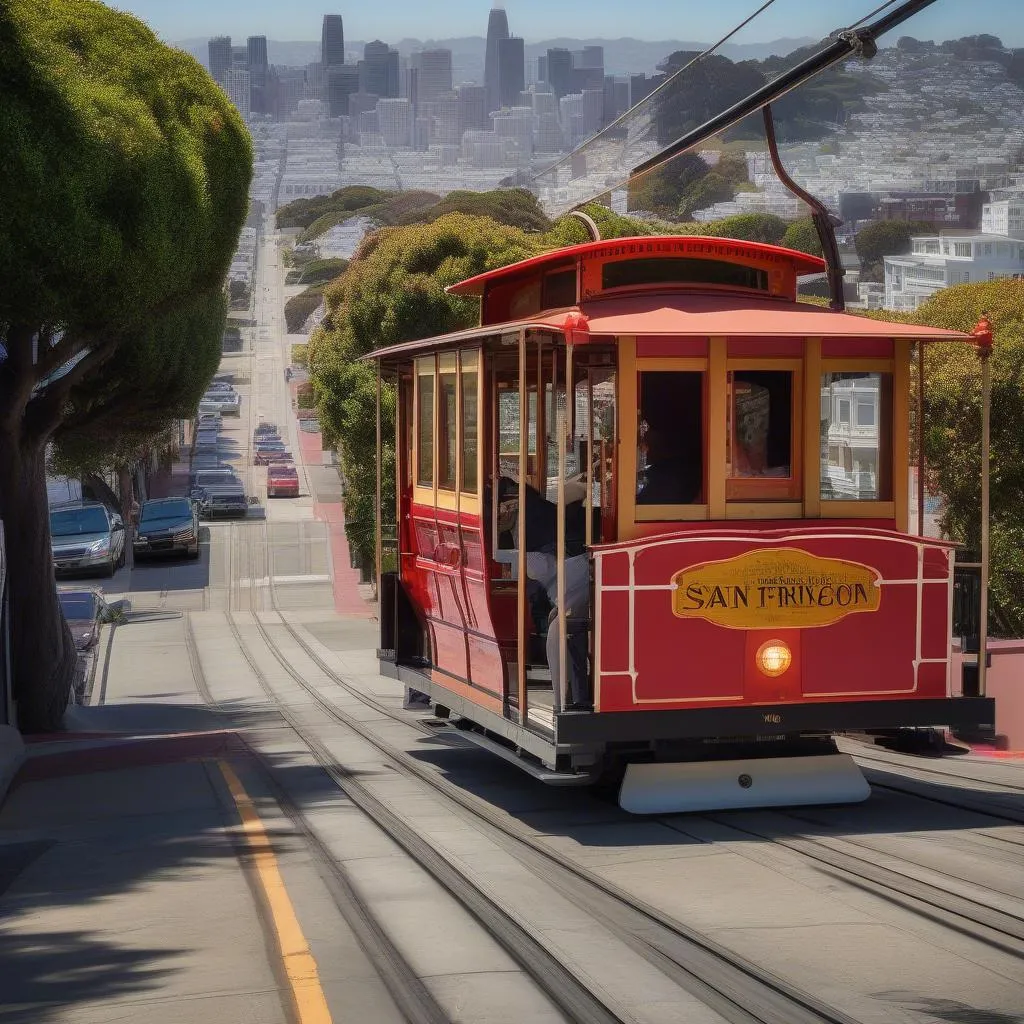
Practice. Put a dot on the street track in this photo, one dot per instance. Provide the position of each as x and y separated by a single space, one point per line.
737 989
904 886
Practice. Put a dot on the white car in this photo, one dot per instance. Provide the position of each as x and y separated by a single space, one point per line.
226 404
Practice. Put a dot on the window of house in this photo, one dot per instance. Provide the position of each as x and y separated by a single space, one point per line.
844 411
857 466
760 436
670 438
962 248
425 423
470 424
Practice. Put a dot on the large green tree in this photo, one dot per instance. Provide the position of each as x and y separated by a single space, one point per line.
125 175
394 290
953 430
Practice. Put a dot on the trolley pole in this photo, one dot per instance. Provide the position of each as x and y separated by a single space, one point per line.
983 346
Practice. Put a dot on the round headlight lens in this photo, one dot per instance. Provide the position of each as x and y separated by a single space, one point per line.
774 658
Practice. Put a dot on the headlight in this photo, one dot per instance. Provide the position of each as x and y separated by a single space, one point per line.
98 547
185 534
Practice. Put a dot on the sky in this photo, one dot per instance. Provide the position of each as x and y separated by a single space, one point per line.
694 20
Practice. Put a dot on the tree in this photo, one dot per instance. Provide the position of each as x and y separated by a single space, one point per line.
953 430
126 174
750 227
886 238
802 235
394 290
569 230
699 195
659 191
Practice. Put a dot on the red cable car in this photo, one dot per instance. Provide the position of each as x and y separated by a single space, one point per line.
653 526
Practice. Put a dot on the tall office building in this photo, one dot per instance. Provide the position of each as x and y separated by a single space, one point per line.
435 73
240 57
332 41
497 29
379 70
542 69
237 85
560 69
220 56
259 74
474 114
511 71
590 57
395 122
340 82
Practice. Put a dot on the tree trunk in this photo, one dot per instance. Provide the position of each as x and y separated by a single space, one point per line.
42 650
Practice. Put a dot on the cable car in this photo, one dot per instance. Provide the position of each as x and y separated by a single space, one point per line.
652 526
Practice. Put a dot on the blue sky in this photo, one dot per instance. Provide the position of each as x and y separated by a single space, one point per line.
542 19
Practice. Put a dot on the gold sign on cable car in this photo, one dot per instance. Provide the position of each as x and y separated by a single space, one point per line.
782 587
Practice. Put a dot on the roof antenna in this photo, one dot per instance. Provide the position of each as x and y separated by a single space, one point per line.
591 224
824 221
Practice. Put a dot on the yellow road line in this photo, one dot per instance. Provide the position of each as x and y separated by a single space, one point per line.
299 964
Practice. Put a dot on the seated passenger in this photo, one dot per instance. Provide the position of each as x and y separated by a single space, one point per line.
541 527
672 476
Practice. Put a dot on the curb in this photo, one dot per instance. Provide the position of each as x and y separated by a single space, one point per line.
12 756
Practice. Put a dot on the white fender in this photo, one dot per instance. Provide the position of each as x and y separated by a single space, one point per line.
666 788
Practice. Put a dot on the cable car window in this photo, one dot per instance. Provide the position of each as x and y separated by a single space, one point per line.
425 430
470 429
670 438
559 289
447 429
760 435
681 270
856 454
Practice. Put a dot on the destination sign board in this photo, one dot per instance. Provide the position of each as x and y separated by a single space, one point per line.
775 587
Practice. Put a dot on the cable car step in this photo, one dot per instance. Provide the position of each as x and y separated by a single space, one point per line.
548 776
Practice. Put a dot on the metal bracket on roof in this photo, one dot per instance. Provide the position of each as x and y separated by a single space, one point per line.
824 221
861 42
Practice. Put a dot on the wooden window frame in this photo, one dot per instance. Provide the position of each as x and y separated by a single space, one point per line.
422 493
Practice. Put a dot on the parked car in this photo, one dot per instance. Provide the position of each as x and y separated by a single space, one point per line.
85 610
264 456
227 404
87 538
167 526
220 386
264 429
208 420
282 481
220 476
206 441
223 500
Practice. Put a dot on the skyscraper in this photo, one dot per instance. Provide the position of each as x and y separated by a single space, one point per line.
560 71
259 73
511 71
340 82
497 29
379 70
220 57
435 73
332 41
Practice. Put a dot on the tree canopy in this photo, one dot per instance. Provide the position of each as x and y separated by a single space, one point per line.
953 430
393 291
886 238
126 173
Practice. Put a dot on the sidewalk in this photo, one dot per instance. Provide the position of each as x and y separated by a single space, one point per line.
122 891
351 598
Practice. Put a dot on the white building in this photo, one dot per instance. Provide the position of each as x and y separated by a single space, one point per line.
938 261
395 121
237 83
1004 217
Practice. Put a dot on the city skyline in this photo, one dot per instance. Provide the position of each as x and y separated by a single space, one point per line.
536 21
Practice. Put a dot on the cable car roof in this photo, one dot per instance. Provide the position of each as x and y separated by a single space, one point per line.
801 262
681 315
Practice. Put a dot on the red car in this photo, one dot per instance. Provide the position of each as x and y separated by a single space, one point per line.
282 481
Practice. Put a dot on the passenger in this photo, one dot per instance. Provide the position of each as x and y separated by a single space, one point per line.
542 567
672 476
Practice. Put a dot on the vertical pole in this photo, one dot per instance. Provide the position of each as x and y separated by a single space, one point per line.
983 346
560 695
920 438
378 542
588 502
524 425
986 385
